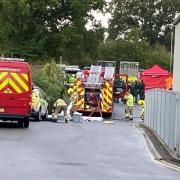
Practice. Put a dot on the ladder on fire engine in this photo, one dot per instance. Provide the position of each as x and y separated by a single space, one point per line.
94 75
109 73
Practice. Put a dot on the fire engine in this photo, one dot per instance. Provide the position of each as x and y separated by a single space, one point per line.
95 90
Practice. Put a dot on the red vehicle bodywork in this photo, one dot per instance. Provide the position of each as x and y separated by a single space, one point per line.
15 90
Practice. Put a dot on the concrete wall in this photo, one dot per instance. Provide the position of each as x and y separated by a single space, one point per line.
176 70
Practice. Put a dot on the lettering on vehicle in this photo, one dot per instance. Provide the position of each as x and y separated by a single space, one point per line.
10 69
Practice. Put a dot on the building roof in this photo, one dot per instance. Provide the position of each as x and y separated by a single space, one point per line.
177 20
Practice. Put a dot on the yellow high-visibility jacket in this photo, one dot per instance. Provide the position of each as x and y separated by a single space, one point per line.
129 100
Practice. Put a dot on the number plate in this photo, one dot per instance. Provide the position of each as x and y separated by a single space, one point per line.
1 109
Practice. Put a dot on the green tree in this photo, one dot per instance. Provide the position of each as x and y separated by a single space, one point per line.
51 80
51 28
133 48
152 17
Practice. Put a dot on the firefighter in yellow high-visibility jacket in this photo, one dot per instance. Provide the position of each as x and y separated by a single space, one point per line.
142 104
129 100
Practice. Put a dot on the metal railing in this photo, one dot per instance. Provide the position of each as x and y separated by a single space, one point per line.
162 114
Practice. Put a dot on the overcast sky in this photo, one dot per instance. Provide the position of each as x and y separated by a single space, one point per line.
103 18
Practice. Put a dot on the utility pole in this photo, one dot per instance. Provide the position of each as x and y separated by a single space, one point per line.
171 57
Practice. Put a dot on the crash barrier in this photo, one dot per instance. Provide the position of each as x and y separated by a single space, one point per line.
162 114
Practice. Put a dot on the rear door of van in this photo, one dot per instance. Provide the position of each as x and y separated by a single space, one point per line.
4 86
20 88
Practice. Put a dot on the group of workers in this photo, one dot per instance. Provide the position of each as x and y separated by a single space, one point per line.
137 89
135 94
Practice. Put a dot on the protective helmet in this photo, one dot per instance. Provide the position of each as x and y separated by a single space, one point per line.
70 90
140 102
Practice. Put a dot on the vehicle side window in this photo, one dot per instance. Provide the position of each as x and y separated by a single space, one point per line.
35 93
40 95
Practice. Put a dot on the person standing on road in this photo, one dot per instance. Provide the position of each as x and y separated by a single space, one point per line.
129 99
136 90
142 90
132 89
142 104
59 106
73 99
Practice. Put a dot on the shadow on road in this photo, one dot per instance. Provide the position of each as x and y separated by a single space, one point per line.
9 125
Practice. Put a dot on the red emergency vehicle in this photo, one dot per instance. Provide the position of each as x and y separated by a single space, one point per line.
95 91
15 91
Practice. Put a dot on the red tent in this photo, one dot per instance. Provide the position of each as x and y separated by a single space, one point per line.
156 77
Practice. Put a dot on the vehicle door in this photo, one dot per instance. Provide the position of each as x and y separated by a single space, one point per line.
43 102
4 86
20 89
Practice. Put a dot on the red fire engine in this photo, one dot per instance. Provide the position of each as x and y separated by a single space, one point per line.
95 90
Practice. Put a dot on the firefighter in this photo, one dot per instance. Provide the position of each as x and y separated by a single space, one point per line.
70 91
73 99
142 104
142 90
72 79
59 106
129 100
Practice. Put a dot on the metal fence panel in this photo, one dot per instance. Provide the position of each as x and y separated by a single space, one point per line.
163 105
158 112
162 114
177 140
167 123
172 120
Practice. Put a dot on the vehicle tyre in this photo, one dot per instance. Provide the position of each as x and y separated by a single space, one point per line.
45 117
20 124
26 123
38 116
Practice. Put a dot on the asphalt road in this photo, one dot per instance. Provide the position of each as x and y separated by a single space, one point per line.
84 151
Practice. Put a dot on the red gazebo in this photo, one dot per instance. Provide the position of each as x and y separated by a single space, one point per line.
156 77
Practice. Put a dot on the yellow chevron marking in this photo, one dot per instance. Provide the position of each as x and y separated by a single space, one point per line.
16 88
107 84
104 106
108 93
23 84
25 76
3 74
4 83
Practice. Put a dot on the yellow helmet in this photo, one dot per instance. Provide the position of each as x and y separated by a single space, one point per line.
70 90
140 102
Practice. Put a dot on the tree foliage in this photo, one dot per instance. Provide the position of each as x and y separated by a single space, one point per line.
152 17
52 28
133 48
51 80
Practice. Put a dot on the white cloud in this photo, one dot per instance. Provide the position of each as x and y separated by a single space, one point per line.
101 17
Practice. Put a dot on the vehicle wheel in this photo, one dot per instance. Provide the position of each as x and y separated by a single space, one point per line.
26 123
45 117
38 117
20 124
